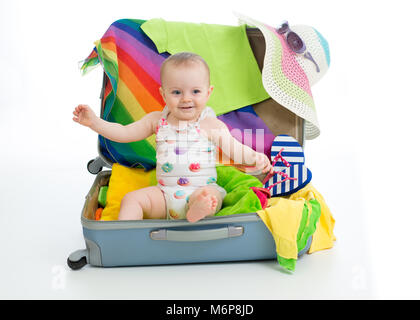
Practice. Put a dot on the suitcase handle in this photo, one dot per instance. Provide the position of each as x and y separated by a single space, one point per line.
197 235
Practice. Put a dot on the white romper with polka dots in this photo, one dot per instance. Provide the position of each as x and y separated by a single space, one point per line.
185 161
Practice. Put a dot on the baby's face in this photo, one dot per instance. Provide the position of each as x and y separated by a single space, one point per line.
186 90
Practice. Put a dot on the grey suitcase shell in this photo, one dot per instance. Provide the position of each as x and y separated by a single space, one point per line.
153 242
238 237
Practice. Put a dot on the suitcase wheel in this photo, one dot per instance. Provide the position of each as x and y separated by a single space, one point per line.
78 259
76 265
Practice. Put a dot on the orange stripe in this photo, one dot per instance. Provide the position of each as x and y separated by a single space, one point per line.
109 44
144 98
147 81
222 158
147 93
142 76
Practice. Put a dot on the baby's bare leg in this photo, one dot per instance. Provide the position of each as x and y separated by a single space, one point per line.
146 203
205 201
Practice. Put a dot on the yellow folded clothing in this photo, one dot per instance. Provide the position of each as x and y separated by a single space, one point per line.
294 219
282 217
122 181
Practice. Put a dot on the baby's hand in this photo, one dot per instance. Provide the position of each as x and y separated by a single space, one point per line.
263 163
84 115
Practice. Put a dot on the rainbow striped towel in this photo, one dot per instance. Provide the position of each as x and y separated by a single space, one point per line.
132 63
132 67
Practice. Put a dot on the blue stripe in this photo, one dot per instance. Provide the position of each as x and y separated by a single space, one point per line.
292 182
309 175
289 154
283 185
104 152
300 174
295 171
274 190
267 184
278 166
130 27
324 45
249 109
136 33
117 152
277 143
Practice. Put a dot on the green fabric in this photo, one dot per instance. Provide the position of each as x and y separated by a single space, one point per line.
288 264
240 198
102 196
306 230
309 227
234 74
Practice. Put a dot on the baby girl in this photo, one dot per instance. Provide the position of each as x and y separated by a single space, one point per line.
187 133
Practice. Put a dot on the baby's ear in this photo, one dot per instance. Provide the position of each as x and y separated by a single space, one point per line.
162 93
210 90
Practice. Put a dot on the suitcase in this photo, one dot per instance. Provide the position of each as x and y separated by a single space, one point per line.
238 237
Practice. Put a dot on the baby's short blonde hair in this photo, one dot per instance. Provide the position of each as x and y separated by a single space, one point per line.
183 58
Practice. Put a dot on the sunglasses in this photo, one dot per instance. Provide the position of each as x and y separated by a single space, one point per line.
295 42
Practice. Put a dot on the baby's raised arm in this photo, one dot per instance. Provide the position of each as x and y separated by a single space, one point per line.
135 131
241 154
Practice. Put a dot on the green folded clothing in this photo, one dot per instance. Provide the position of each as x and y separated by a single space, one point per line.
240 198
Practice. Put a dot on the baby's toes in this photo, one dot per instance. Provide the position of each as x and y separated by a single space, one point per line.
213 202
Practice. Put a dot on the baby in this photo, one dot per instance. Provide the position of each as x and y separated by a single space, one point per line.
187 132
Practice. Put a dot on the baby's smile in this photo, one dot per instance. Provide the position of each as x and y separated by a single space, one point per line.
187 108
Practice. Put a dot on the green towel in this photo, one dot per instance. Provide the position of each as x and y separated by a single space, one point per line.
240 198
234 72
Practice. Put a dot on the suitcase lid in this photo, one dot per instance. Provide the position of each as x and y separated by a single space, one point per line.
275 118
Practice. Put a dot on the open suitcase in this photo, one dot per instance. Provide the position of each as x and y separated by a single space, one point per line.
236 237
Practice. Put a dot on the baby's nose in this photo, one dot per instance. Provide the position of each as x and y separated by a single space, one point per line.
186 97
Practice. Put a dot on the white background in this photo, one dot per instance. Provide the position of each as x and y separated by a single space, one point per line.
364 163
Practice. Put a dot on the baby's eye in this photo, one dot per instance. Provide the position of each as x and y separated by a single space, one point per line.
195 91
176 92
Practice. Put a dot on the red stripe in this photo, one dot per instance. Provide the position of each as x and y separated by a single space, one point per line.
108 39
93 54
148 82
108 88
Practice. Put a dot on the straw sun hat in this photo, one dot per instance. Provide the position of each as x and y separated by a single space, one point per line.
296 58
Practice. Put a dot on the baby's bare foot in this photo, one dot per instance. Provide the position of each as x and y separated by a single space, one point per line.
203 205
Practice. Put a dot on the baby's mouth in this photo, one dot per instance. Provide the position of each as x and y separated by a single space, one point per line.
186 107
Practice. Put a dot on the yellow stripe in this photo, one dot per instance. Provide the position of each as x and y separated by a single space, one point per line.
110 54
152 141
132 106
130 102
